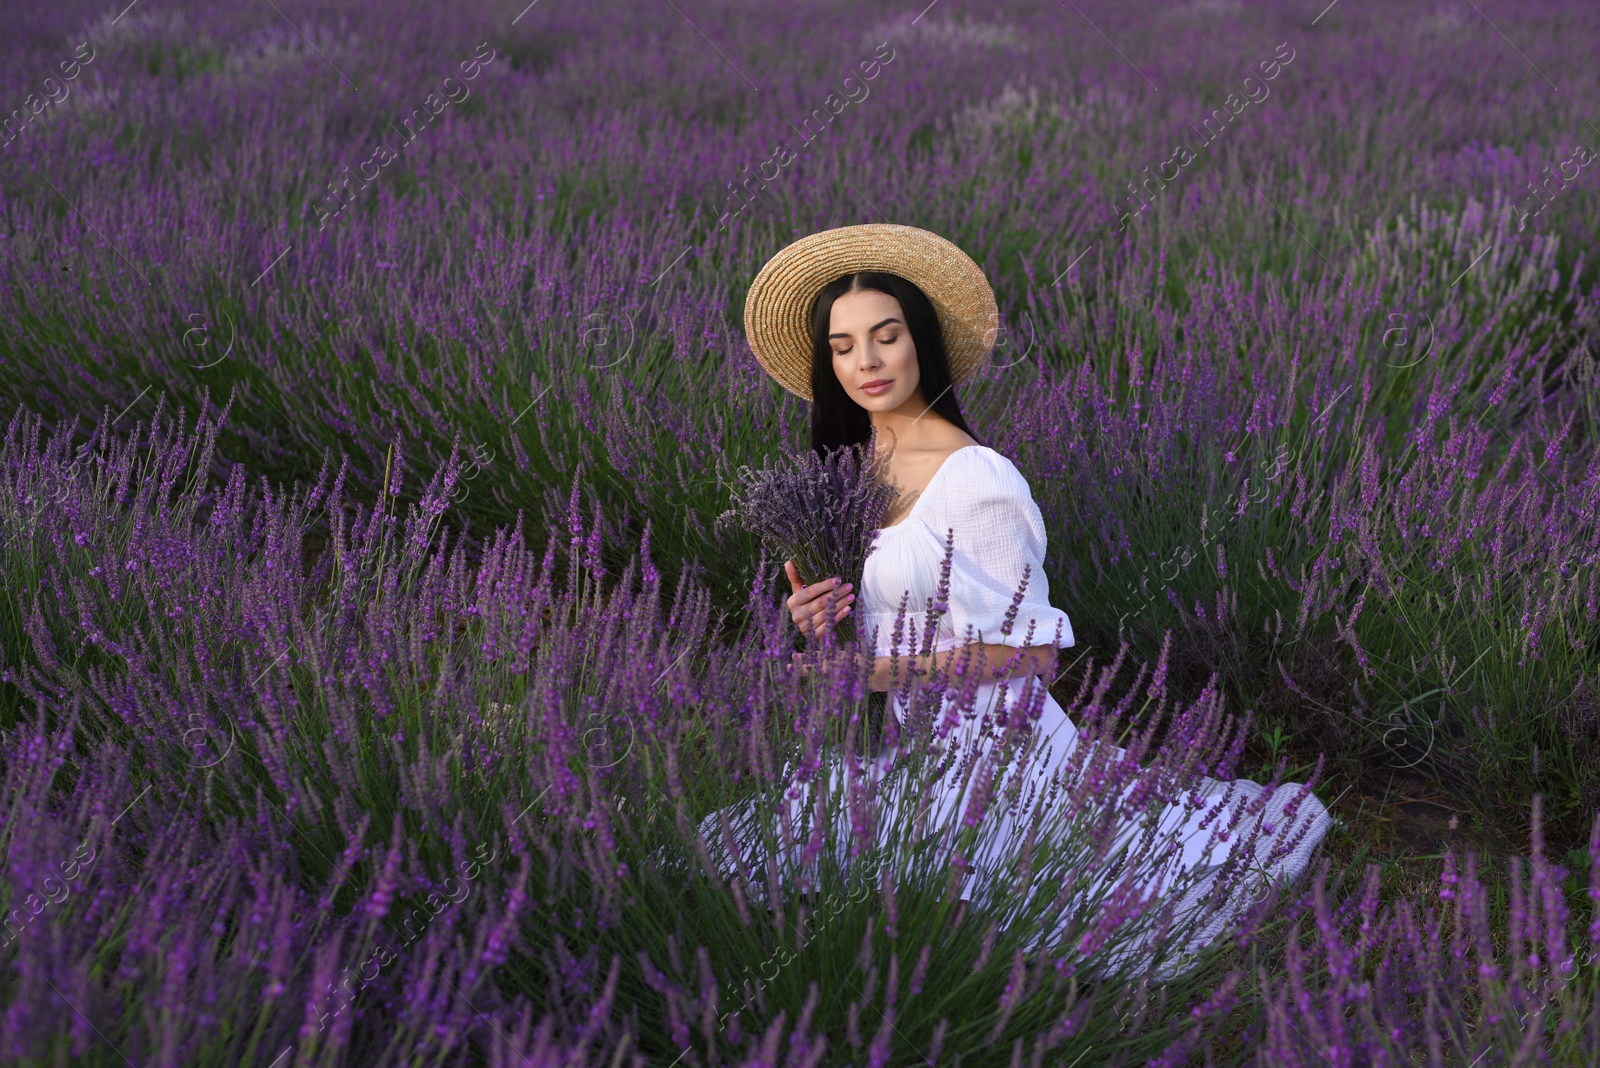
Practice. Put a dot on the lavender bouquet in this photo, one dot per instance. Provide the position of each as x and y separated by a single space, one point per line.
822 513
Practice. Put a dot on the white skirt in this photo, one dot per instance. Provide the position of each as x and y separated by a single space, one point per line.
1178 860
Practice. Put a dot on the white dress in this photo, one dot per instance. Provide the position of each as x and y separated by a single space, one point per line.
979 498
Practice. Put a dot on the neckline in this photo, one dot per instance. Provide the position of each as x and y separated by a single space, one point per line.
924 494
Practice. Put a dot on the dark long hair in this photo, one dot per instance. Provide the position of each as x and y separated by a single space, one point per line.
836 420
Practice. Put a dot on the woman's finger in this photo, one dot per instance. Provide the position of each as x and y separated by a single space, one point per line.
809 607
840 607
819 593
820 589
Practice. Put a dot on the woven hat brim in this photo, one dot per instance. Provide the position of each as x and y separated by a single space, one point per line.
777 311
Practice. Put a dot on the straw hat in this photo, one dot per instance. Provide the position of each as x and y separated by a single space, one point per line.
777 311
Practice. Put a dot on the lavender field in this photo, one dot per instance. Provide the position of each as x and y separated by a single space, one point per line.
369 656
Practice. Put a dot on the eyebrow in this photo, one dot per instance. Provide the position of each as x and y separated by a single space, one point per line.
871 329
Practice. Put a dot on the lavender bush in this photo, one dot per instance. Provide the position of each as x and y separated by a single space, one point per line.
1409 983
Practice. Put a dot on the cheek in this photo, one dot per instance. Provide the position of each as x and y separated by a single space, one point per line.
903 356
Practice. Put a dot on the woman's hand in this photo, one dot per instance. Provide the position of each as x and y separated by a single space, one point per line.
808 605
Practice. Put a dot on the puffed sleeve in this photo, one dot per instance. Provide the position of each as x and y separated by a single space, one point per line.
998 532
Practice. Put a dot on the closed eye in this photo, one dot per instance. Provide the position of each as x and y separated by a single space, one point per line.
890 340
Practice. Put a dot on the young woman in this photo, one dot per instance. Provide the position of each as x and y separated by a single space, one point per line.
876 325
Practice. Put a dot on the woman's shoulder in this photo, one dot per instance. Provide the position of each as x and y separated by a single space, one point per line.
995 465
981 475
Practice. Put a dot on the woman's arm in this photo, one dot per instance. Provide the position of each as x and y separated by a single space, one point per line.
987 658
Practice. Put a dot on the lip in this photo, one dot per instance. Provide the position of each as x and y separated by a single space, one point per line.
879 386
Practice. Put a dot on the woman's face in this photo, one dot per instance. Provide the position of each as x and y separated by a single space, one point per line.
871 346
